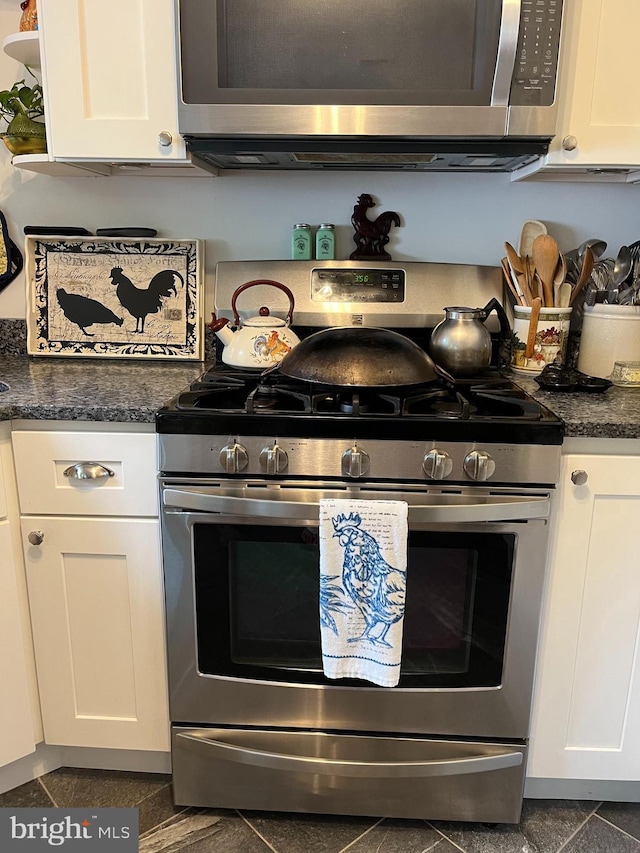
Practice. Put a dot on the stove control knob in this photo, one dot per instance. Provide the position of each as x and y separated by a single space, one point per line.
437 464
479 465
234 458
355 462
273 459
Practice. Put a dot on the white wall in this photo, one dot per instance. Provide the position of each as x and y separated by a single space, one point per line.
449 218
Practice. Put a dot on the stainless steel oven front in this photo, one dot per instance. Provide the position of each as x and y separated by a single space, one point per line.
251 709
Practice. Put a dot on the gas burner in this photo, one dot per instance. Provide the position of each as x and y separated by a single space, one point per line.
458 408
266 398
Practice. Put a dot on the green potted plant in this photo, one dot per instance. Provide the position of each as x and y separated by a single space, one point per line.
19 106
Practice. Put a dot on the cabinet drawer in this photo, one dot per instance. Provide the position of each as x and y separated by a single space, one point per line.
42 457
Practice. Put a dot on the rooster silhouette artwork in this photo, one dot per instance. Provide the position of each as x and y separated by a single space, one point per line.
371 236
84 311
141 301
376 588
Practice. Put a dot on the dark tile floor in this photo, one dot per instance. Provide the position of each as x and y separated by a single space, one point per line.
547 826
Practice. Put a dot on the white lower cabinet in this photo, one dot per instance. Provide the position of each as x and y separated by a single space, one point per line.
16 723
95 588
586 715
19 716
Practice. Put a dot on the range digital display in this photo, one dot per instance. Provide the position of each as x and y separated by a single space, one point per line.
358 285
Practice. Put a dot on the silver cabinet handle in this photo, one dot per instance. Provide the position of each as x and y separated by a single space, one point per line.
88 471
36 537
579 477
479 763
165 139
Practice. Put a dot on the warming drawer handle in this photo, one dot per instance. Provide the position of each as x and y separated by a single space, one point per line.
481 763
88 471
495 509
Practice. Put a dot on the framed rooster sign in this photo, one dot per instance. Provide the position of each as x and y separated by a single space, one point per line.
119 298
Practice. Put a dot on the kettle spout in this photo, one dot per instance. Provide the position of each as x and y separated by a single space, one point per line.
222 329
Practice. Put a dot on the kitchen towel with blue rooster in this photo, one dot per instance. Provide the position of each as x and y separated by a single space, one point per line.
363 580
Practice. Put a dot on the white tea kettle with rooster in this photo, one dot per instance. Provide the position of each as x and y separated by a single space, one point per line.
259 342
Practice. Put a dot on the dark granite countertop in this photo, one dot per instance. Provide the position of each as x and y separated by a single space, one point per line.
615 413
132 391
90 389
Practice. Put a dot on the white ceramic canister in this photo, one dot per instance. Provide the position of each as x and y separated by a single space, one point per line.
552 334
609 333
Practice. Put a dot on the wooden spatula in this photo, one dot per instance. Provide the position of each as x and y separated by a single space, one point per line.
545 256
536 305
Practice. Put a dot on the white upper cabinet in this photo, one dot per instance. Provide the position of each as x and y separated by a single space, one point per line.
599 110
109 74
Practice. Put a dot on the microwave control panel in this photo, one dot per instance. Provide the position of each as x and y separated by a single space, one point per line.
536 67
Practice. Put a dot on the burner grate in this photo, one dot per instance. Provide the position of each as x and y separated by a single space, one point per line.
253 393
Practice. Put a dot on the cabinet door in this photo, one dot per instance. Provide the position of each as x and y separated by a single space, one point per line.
599 82
109 72
16 720
586 716
95 590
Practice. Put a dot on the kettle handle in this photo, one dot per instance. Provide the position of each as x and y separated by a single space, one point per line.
243 287
505 327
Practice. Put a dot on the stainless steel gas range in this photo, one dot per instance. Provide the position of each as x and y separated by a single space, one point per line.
245 459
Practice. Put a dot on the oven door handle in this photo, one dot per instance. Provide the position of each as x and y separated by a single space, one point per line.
487 508
199 741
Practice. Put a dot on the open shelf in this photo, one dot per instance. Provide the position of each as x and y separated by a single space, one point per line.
25 47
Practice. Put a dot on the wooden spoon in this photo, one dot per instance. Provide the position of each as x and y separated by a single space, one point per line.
515 261
563 295
585 274
545 254
507 274
558 279
536 305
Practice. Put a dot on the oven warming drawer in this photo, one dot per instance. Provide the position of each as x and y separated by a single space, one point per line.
325 773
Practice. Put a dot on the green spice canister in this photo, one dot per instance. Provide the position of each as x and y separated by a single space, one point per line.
301 242
326 242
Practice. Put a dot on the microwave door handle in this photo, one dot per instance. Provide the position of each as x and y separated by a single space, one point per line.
507 49
201 742
492 508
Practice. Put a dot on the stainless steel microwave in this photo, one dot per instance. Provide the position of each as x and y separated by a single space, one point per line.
413 84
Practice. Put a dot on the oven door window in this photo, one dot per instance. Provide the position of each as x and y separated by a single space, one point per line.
257 605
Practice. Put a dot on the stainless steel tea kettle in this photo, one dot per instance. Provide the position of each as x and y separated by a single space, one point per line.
461 343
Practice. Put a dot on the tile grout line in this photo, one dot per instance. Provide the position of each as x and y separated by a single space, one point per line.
165 823
362 835
253 829
576 831
445 837
153 793
623 831
46 790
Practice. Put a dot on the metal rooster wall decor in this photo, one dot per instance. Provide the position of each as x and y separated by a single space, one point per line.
371 236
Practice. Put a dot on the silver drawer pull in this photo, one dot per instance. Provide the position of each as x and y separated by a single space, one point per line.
88 471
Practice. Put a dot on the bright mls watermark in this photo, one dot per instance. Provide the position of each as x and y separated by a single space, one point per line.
70 830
